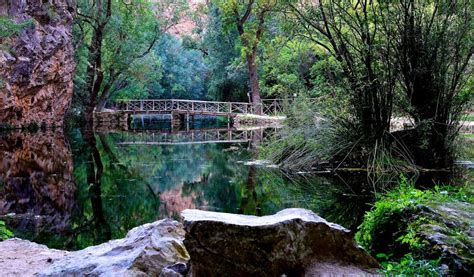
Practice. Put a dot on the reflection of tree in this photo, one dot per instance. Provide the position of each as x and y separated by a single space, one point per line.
95 170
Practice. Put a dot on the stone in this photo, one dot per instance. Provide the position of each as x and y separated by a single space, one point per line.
146 251
293 242
25 258
37 65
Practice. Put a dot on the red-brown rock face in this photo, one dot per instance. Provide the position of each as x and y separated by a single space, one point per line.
37 66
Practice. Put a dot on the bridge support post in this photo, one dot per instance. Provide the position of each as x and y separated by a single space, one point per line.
187 122
176 120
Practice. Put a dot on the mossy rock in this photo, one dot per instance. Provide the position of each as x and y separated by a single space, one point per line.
433 230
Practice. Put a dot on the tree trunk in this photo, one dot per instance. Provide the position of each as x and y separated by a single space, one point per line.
95 75
254 85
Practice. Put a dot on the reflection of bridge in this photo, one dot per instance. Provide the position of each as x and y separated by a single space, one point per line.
196 136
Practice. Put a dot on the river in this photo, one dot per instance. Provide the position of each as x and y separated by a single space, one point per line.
70 189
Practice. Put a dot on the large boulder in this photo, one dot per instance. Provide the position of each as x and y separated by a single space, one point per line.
149 250
37 65
291 242
25 258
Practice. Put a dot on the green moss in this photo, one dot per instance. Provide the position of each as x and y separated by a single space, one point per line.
10 28
425 224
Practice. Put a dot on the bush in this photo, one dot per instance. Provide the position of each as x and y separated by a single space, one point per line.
408 266
4 232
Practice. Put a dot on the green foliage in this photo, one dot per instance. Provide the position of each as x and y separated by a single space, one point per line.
408 266
9 28
4 232
183 71
127 60
397 227
228 77
402 199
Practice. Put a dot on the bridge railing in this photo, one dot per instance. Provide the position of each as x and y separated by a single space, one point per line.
281 106
196 106
268 107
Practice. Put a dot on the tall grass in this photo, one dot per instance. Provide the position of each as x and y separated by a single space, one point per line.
319 137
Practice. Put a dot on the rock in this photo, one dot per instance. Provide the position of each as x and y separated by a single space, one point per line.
146 251
37 65
441 229
447 234
291 242
25 258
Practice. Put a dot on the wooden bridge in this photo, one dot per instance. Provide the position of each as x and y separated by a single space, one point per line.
196 136
192 107
119 112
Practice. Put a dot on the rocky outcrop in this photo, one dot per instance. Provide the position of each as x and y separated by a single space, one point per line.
293 242
37 65
154 249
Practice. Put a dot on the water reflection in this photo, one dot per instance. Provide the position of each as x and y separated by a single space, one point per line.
36 182
120 182
104 184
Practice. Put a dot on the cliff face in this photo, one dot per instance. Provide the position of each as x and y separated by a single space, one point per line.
37 65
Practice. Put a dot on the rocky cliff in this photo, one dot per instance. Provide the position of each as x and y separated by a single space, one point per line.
37 65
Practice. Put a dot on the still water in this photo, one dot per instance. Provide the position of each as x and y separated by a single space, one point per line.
71 189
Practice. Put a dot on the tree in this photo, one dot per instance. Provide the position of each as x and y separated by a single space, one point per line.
227 79
420 51
249 18
350 32
184 71
433 47
116 37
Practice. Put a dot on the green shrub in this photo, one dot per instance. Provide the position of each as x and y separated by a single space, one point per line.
4 232
408 266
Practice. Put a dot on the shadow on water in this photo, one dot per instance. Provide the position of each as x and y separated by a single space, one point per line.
85 188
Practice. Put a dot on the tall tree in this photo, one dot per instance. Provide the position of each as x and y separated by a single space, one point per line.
117 37
227 80
249 18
